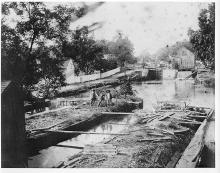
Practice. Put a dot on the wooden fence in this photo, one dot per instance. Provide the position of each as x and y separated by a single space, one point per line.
85 78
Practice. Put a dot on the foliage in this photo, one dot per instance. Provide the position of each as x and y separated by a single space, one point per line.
122 48
145 57
50 68
37 28
203 40
164 53
13 53
126 87
86 53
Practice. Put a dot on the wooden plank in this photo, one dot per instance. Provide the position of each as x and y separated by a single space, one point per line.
201 107
162 130
154 139
151 119
172 110
117 113
121 124
196 116
196 112
210 114
166 116
82 132
69 146
191 154
181 131
100 160
100 149
155 134
185 119
193 123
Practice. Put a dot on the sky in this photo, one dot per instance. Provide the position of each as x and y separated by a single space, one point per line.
149 25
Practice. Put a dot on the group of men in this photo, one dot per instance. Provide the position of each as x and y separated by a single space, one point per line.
104 97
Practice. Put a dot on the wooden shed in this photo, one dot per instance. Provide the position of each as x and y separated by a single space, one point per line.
13 138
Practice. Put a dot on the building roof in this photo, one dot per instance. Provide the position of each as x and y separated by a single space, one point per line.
4 85
65 64
185 48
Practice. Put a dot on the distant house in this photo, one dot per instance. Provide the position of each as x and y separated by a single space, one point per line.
69 68
13 149
185 59
109 56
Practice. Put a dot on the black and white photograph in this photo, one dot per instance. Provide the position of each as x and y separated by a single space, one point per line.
111 84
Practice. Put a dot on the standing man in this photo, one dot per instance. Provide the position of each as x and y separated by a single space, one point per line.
102 98
109 97
93 97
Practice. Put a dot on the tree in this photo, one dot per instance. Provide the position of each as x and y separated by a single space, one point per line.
122 48
126 87
50 70
13 53
38 27
203 40
165 52
84 51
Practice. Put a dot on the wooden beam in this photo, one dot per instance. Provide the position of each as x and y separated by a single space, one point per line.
154 139
162 130
69 146
117 113
191 154
181 131
166 116
82 132
200 113
121 124
172 110
196 116
196 123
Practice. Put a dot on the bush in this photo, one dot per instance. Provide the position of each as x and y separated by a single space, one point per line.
126 88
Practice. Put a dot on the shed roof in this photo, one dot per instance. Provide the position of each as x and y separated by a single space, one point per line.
65 64
4 85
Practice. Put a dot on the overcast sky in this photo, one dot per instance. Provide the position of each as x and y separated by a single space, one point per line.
149 25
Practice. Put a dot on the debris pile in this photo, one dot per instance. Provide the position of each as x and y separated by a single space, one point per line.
156 140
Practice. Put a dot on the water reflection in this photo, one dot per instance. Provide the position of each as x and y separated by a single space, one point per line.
53 155
175 90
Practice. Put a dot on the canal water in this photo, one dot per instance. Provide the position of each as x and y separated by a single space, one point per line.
51 156
175 90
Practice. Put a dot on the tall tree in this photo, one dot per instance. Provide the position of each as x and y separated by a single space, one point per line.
122 48
13 53
50 68
84 51
37 27
203 40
